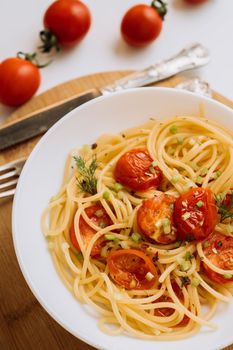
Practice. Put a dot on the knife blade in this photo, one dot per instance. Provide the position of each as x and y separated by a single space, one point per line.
39 122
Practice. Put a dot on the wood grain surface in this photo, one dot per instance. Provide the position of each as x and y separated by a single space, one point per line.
24 324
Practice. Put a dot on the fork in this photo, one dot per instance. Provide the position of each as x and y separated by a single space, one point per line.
9 174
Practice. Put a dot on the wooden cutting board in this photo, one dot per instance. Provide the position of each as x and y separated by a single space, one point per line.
24 324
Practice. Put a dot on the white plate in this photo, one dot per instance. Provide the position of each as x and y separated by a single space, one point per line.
41 178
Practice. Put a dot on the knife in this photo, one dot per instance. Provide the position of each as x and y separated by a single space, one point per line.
39 122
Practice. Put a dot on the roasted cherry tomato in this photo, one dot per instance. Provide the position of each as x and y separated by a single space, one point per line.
19 80
195 214
98 216
142 23
132 269
68 21
155 218
218 249
167 311
195 2
134 170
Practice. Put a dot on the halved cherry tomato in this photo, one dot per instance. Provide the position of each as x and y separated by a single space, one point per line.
155 218
132 269
167 311
98 216
134 170
19 80
68 20
142 23
218 249
195 214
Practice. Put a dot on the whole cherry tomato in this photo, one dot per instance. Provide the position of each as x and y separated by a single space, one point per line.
99 217
142 24
66 23
155 218
136 171
19 80
195 2
132 269
195 214
218 249
167 311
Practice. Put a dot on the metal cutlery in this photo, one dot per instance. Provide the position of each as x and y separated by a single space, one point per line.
39 122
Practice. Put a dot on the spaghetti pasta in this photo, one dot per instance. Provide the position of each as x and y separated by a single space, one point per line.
94 220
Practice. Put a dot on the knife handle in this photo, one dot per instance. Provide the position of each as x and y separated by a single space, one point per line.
190 57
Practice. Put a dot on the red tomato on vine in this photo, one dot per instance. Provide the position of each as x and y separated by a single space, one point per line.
142 24
19 79
66 23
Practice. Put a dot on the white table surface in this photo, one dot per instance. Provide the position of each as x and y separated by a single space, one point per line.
103 49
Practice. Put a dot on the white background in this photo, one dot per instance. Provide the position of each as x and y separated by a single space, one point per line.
103 49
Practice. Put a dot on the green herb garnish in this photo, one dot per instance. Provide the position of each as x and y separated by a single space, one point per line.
225 206
87 182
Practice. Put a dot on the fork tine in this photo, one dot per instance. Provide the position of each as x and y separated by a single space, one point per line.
8 184
7 193
8 175
12 165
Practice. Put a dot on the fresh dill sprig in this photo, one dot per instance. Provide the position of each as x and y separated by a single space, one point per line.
225 206
87 182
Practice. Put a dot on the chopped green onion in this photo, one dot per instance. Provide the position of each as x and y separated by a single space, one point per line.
175 179
217 174
180 140
166 225
167 229
79 256
188 256
109 237
173 129
185 265
199 180
50 245
54 198
166 222
152 170
192 141
149 276
206 244
204 171
200 204
227 276
118 187
186 216
106 195
136 237
154 163
99 213
195 282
